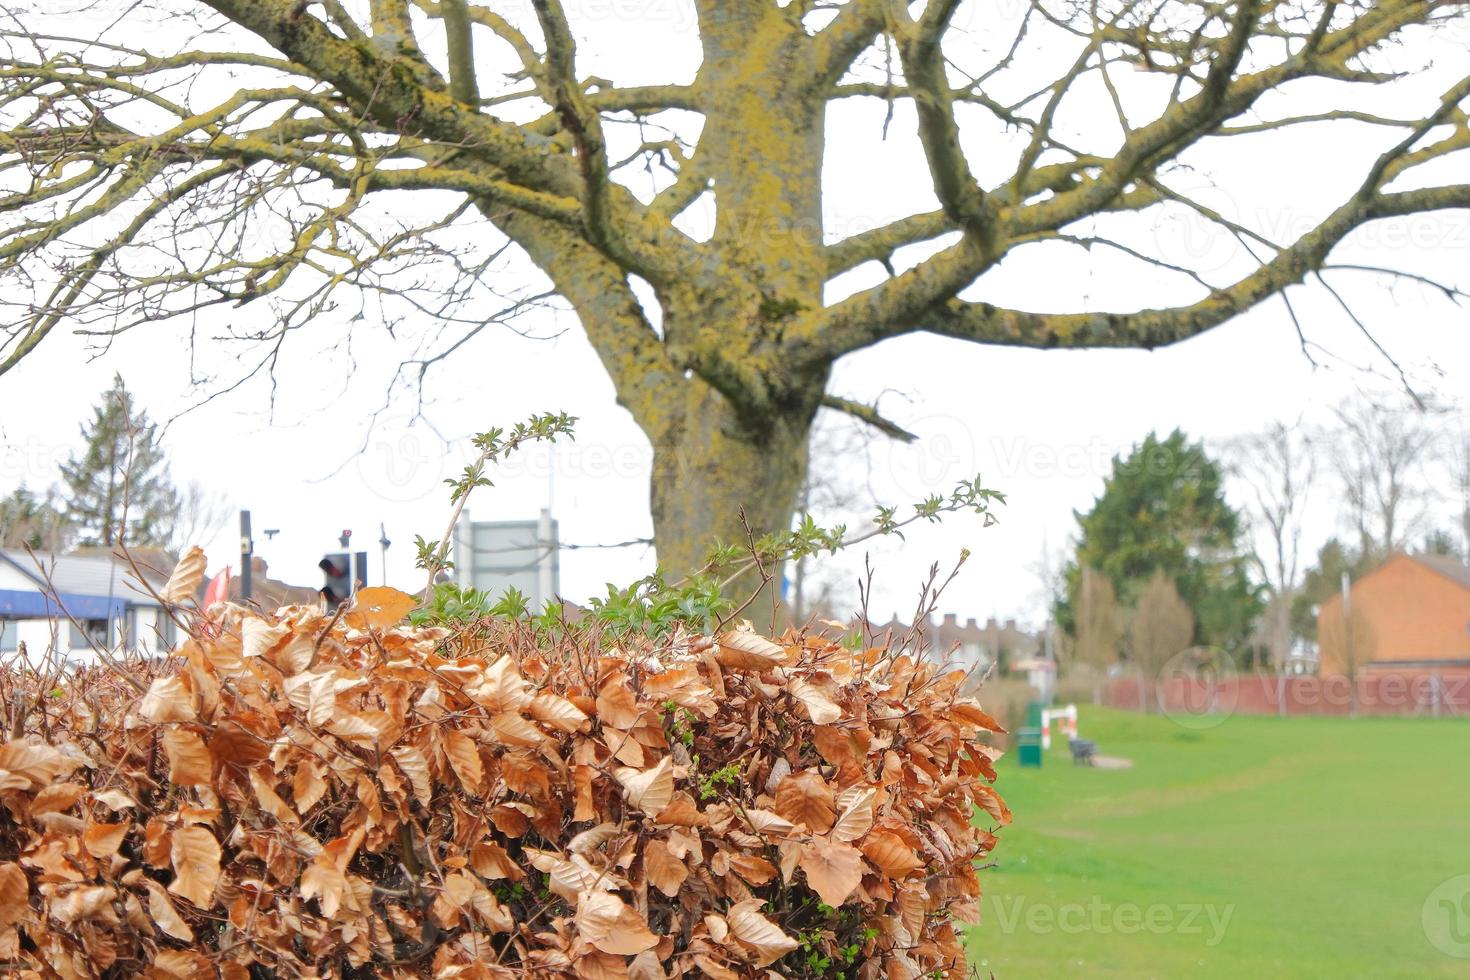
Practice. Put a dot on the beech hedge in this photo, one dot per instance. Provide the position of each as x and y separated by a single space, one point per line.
300 794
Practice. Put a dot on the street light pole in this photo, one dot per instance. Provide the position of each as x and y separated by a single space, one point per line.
247 555
384 543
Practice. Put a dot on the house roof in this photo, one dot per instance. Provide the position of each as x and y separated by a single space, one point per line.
1447 565
93 574
270 593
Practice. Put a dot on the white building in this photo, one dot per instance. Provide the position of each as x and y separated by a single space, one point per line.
72 604
494 556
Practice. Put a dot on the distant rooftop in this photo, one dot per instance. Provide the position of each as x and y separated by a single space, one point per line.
91 572
1447 565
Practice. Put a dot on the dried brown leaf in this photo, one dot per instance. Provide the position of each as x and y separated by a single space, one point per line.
189 761
748 651
857 819
754 869
195 856
14 894
416 768
805 798
168 699
165 914
464 758
764 937
649 790
616 704
183 583
378 608
270 801
56 798
821 709
558 712
890 854
832 869
103 839
607 923
665 872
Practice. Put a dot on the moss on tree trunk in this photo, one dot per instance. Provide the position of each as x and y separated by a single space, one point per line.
710 466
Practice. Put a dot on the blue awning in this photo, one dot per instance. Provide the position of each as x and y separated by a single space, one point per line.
16 604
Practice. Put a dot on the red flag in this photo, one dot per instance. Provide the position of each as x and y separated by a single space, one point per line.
218 589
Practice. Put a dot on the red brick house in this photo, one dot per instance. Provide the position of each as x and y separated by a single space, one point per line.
1416 609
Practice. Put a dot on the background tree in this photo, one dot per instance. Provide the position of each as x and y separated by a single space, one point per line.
1278 468
1163 510
199 515
1456 461
266 162
1160 627
121 470
1100 626
29 520
837 490
1441 541
1324 580
1348 643
1381 454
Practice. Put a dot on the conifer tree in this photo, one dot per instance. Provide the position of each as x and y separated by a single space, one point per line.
28 519
120 476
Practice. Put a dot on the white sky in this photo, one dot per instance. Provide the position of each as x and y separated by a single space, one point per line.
1040 426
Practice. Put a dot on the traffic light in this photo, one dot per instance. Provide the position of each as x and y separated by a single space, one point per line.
337 570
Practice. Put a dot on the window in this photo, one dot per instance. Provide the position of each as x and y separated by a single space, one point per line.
93 633
9 636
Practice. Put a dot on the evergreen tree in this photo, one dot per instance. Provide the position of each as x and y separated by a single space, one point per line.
121 466
1163 510
1324 580
29 520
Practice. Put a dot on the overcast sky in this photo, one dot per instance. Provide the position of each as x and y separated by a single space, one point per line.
1040 426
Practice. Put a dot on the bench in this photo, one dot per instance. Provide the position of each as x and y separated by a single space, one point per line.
1084 751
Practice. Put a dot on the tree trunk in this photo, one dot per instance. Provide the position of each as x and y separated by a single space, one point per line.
709 466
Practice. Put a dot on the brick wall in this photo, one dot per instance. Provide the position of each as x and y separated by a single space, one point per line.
1417 692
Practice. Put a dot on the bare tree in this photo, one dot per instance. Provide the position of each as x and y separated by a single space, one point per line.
1278 468
269 162
1161 626
201 514
1457 466
834 492
1100 626
1380 455
1347 641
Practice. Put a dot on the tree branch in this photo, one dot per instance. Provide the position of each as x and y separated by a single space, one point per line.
460 37
868 414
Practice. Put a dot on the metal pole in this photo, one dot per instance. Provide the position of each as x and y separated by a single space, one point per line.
1349 654
545 560
247 554
383 542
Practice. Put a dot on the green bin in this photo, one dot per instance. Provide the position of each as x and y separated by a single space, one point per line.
1028 744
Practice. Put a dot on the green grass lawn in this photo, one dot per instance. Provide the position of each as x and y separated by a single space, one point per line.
1262 847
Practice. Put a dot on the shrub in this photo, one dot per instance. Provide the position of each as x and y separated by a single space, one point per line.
304 795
